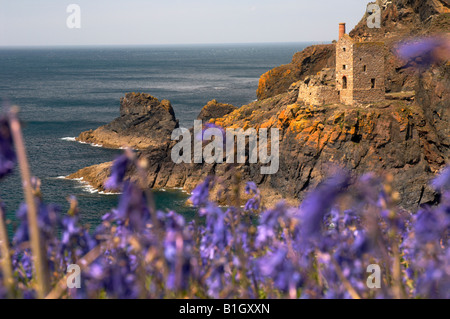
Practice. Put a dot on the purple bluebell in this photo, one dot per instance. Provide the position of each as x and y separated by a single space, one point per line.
133 207
23 264
306 249
217 234
277 266
200 194
362 244
442 181
118 171
429 225
270 224
434 282
251 188
254 202
7 153
177 251
319 202
216 280
48 219
425 51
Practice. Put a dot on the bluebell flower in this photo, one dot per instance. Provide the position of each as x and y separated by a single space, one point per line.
200 194
216 234
215 281
133 207
425 51
434 282
277 266
293 250
270 224
21 235
7 153
71 228
177 251
251 188
48 219
429 225
117 278
22 262
442 181
351 218
319 202
362 244
254 202
118 171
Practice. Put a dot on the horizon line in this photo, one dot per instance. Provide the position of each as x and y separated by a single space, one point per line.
38 46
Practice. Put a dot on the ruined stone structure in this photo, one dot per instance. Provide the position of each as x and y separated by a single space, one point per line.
359 75
320 89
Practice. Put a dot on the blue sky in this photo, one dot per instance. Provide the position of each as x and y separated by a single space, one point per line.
137 22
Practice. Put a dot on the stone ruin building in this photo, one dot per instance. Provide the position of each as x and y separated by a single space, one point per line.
357 79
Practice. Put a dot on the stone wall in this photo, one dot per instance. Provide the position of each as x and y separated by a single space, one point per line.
368 96
368 68
319 89
318 95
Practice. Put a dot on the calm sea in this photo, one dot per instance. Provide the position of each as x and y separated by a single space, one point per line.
64 91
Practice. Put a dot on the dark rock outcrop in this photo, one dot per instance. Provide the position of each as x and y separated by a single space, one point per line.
144 122
214 109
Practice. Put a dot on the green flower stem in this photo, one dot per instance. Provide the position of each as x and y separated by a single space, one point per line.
39 258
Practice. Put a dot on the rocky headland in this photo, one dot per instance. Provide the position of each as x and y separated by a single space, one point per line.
144 122
407 135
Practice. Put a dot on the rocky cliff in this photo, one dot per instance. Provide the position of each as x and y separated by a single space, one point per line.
144 122
389 137
409 139
304 63
214 110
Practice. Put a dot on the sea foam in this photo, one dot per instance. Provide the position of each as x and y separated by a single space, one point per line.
70 139
74 139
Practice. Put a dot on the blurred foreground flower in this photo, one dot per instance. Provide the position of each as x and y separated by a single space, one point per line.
7 153
321 249
442 182
118 170
425 52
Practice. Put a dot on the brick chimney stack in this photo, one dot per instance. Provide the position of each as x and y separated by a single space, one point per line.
341 30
